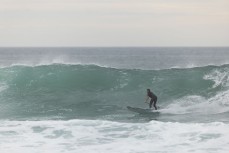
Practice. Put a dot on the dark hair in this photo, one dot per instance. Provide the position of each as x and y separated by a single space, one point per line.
148 90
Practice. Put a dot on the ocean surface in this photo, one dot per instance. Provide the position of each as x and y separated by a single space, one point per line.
73 100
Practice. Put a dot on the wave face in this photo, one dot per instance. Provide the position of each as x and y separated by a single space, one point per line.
94 92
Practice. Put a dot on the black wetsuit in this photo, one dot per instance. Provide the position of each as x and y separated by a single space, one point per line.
153 100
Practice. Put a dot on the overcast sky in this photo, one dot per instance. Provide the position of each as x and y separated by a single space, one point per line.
114 22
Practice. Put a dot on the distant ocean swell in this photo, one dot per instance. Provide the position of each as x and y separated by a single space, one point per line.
90 91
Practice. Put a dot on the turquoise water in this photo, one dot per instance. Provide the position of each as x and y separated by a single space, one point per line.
94 92
74 99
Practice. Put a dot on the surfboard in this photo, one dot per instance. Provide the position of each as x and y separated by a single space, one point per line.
141 110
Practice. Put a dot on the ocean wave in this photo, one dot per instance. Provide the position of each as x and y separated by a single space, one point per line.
91 91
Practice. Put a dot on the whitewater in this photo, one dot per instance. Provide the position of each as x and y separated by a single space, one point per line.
74 100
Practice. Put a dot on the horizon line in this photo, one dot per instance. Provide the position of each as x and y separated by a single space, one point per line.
113 46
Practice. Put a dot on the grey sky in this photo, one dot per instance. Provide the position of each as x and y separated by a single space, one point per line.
114 23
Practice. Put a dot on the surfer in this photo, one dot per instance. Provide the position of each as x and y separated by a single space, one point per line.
153 100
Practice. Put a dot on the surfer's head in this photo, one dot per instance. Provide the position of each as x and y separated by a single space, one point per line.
148 90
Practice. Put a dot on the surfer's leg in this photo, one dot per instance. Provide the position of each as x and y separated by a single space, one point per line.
154 104
150 104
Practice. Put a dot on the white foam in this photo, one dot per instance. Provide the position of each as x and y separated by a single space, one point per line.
219 77
219 103
198 104
103 136
184 105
